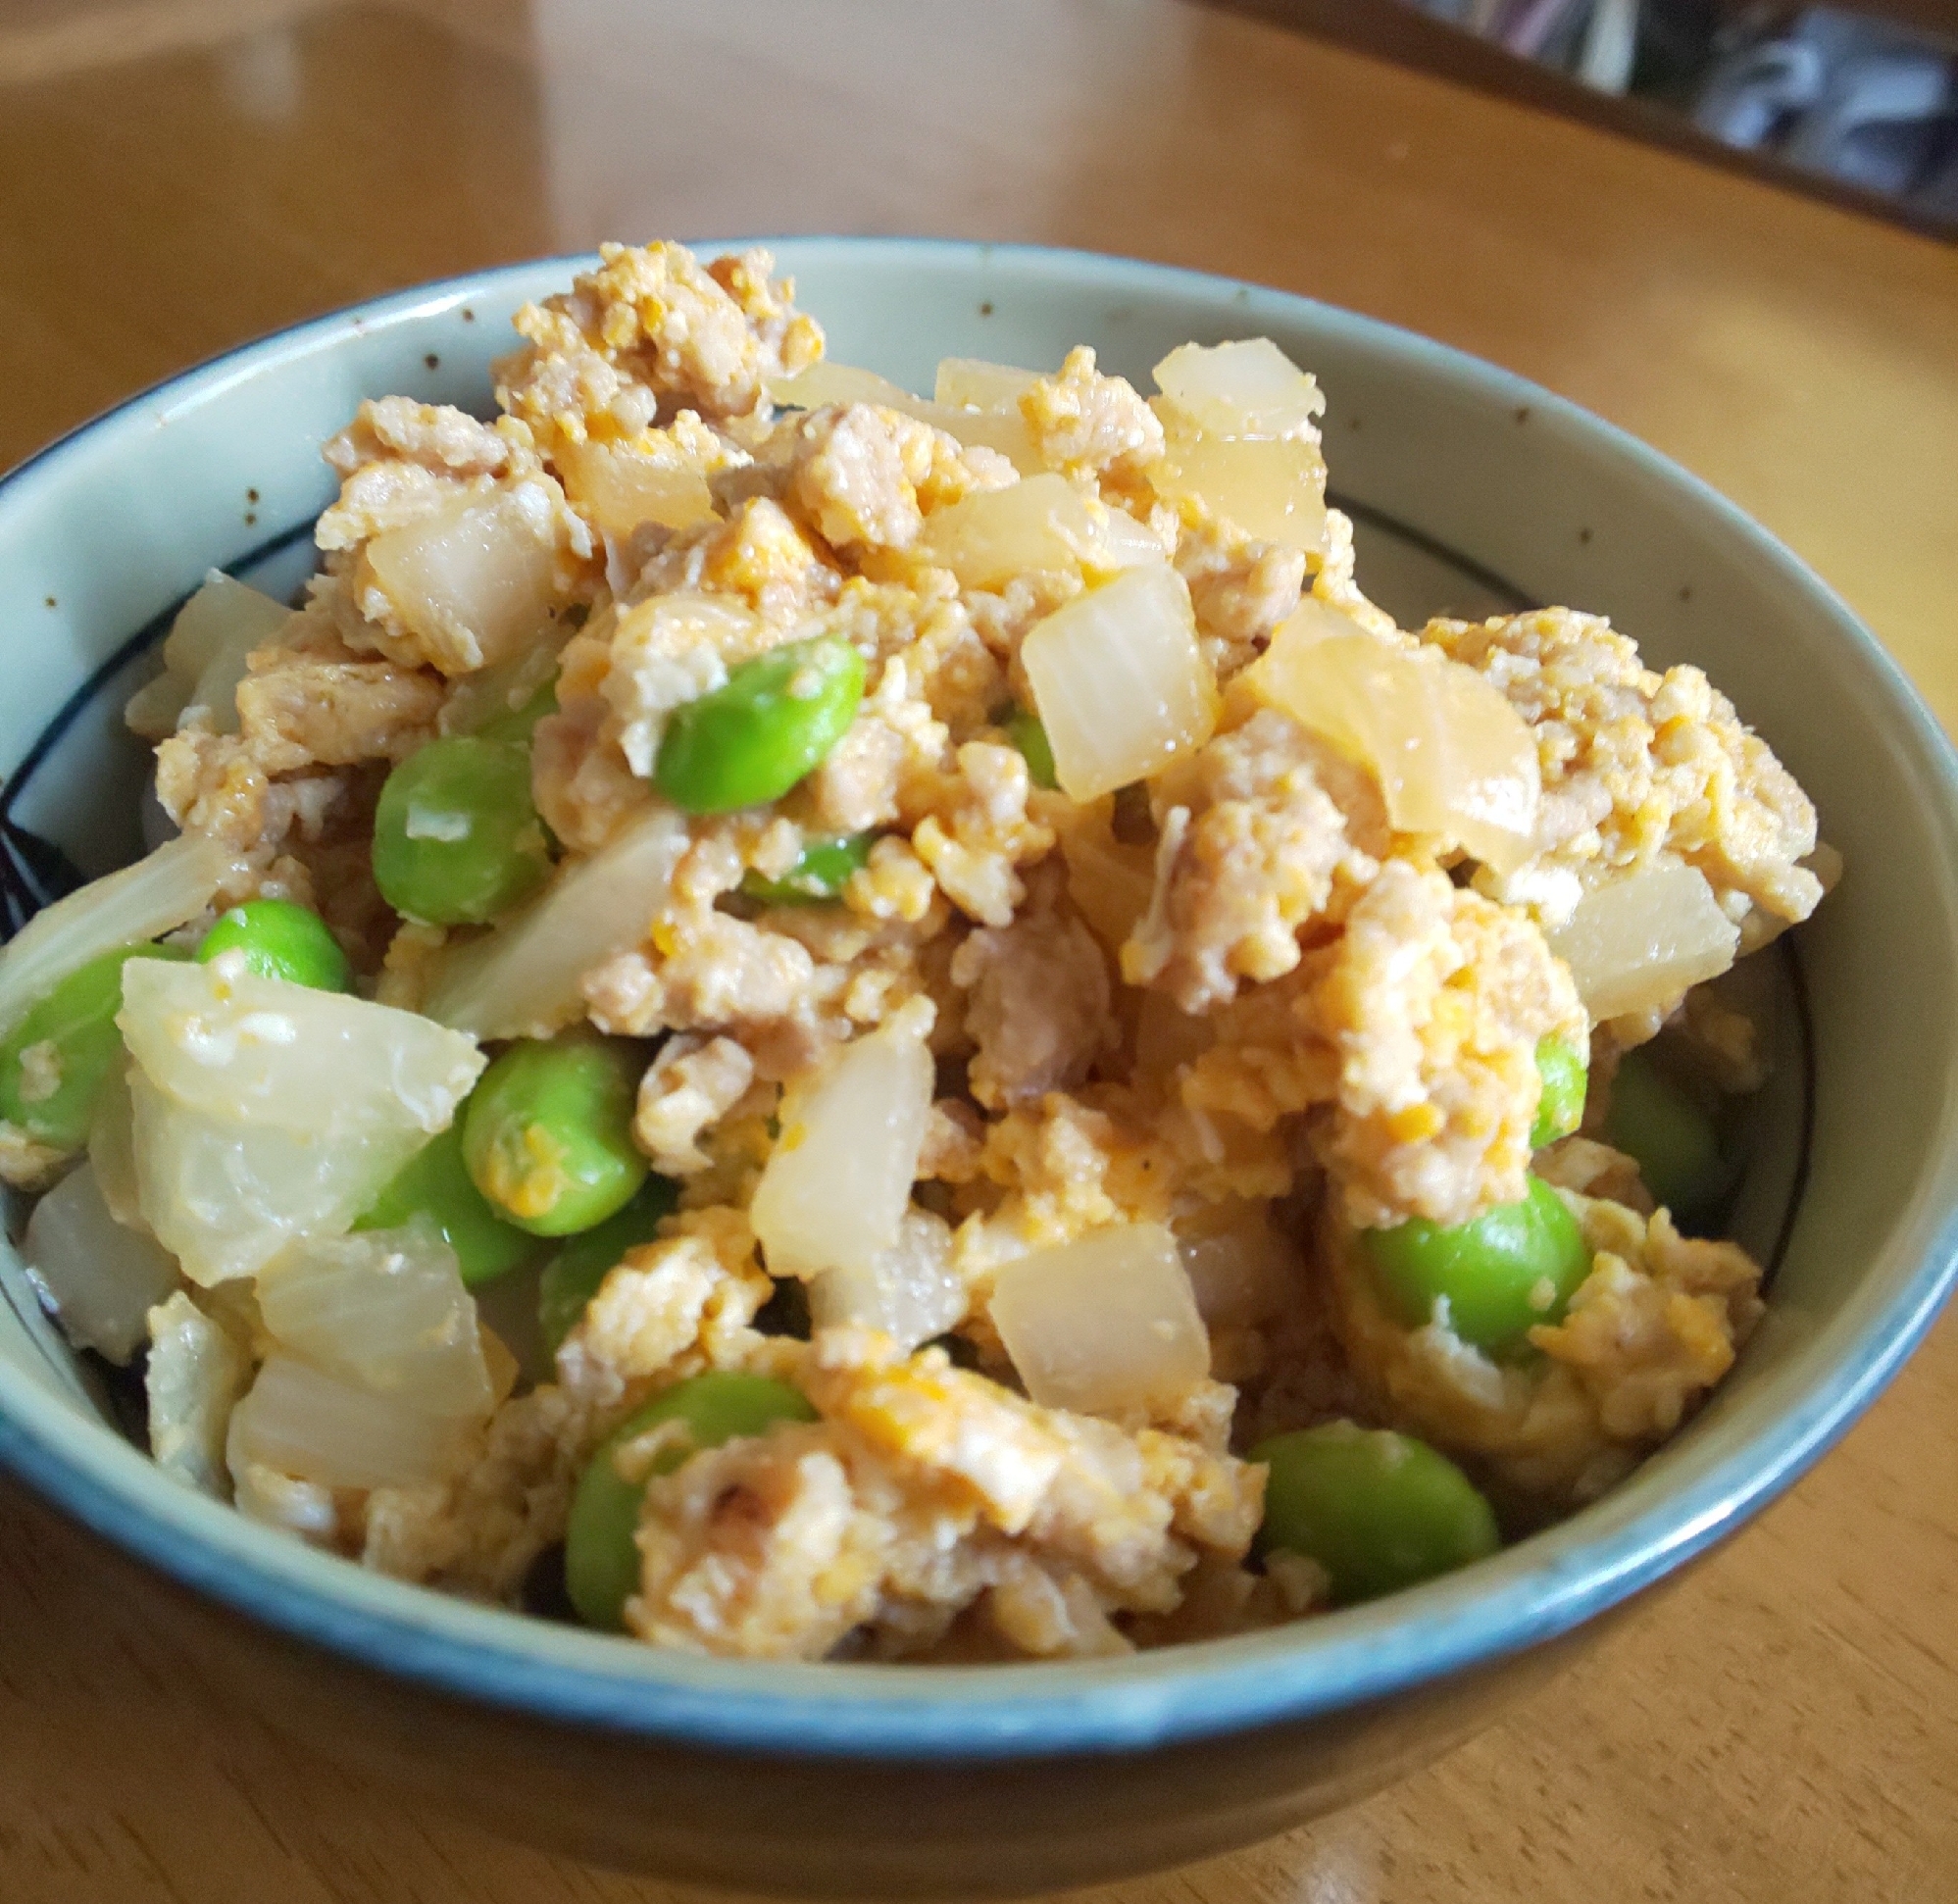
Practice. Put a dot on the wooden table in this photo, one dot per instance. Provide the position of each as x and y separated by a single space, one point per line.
178 175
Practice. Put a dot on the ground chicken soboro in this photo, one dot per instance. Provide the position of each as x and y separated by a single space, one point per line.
1219 994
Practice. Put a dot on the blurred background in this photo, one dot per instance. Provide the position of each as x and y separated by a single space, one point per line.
1866 97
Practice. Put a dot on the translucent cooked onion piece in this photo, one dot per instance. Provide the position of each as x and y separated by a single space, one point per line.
204 656
99 1279
1109 880
1106 1325
1042 523
158 894
994 429
1120 682
265 1110
839 1181
972 384
619 488
219 1039
1246 389
226 1197
112 1148
522 980
825 382
1641 940
386 1308
1454 760
197 1370
476 581
1271 489
302 1421
910 1290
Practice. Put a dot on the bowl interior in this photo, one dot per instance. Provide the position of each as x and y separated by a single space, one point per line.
1473 492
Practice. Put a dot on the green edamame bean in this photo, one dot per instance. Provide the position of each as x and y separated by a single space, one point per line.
601 1559
435 1183
1674 1142
280 941
821 873
54 1062
768 725
456 837
1027 732
1501 1272
547 1133
519 727
571 1279
1378 1511
1565 1072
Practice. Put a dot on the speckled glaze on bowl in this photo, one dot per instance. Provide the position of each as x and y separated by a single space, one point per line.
1474 490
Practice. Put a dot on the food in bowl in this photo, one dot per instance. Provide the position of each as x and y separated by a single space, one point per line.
807 1021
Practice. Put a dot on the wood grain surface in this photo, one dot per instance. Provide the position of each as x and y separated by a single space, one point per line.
179 175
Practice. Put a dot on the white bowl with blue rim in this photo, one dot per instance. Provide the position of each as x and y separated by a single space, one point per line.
1473 492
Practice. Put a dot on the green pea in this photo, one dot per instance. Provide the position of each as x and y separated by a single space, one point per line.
519 727
547 1133
601 1557
1378 1511
436 1184
1674 1142
821 873
280 941
1501 1272
572 1277
55 1060
1565 1072
1027 732
768 725
456 837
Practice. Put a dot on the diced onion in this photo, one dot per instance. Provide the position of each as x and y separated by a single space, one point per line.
1120 682
197 1370
521 980
1041 522
1641 940
496 692
1109 880
476 581
266 1109
226 1197
838 1182
910 1290
1118 541
825 382
112 1149
204 654
1269 488
1454 760
279 1055
1246 389
384 1308
1313 620
972 384
302 1421
1104 1326
620 487
1240 1270
1001 429
100 1279
223 614
142 902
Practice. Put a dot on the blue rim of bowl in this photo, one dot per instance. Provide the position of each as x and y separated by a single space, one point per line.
1532 1592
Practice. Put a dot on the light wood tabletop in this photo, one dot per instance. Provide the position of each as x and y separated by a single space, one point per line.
179 174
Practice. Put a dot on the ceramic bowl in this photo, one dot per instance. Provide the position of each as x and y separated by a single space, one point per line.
1473 491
